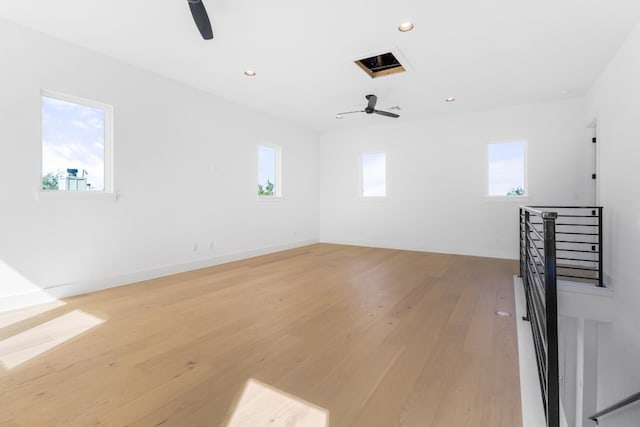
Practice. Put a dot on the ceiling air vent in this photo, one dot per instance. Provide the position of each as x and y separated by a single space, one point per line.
380 65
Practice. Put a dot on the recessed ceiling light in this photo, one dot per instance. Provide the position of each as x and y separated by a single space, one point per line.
339 116
405 26
450 99
250 73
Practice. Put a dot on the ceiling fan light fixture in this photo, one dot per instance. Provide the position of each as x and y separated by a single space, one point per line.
250 73
405 27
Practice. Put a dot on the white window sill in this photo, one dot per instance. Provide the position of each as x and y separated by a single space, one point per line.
269 198
75 196
373 198
509 199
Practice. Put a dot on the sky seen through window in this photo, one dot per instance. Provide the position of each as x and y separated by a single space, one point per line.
73 138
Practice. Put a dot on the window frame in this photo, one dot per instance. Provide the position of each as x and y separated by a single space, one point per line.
108 190
278 171
361 175
521 198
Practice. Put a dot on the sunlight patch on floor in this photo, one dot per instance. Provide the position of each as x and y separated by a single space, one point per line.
9 318
263 405
33 342
18 291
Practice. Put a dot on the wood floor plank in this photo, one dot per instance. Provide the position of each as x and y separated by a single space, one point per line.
377 337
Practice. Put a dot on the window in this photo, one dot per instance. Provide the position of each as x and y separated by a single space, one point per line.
374 175
76 144
269 171
507 169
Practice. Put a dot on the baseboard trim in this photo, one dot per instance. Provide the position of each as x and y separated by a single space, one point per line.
15 301
26 299
479 252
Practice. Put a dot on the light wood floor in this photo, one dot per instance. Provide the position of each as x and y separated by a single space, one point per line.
376 337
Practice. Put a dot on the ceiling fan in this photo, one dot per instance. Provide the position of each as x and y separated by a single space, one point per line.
370 109
201 18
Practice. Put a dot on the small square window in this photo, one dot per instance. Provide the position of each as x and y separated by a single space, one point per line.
76 144
506 166
374 175
269 184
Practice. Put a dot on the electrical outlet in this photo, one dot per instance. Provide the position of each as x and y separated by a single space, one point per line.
195 247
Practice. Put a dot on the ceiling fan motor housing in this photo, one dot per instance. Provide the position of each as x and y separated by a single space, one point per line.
370 108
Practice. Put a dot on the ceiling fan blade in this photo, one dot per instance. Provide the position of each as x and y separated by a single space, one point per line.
201 18
386 113
350 112
372 102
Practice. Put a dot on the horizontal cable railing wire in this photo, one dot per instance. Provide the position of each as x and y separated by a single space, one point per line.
578 241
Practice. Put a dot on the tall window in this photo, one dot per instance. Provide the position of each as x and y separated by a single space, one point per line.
507 169
76 144
269 171
374 175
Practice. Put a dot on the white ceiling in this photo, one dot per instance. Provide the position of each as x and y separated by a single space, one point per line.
487 53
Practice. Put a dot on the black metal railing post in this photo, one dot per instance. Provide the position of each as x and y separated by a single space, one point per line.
525 275
600 248
551 314
556 242
521 240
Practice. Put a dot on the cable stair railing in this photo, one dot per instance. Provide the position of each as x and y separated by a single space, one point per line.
555 242
578 238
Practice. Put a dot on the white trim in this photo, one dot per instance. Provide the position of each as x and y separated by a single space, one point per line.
596 163
12 302
75 196
109 178
475 251
586 301
24 299
373 199
519 200
584 288
108 134
270 199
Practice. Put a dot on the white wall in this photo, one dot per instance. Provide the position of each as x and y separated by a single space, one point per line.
185 172
436 178
615 103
